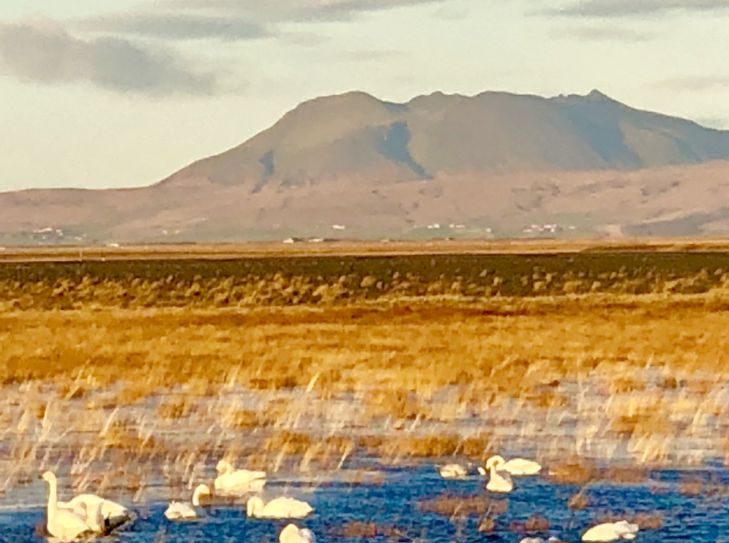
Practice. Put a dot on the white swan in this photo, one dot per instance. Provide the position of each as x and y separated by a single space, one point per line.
515 466
186 511
611 531
63 524
277 508
100 515
293 534
452 471
108 514
499 481
236 482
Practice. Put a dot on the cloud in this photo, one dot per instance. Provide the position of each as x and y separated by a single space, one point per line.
635 8
44 52
366 55
695 83
230 19
603 33
275 11
176 26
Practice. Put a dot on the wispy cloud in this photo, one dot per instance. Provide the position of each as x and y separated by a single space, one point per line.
603 33
366 55
231 19
44 52
635 8
176 26
295 10
695 83
133 51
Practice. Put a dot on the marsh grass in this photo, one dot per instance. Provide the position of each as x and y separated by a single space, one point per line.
368 530
334 358
327 280
453 506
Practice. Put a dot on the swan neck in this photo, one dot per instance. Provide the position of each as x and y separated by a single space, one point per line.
196 496
52 498
256 506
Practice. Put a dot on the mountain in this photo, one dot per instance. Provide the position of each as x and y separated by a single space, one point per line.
439 165
355 136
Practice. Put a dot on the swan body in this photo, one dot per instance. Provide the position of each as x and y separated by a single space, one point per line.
293 534
64 524
452 471
277 508
515 466
180 511
499 481
186 511
106 516
611 531
231 481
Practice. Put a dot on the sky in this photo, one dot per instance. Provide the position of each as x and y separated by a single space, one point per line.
111 94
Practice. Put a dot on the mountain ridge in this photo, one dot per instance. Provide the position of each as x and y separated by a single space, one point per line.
438 165
355 134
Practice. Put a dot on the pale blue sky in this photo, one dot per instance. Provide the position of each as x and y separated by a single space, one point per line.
100 96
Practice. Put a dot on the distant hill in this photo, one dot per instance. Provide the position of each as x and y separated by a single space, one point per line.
356 136
495 164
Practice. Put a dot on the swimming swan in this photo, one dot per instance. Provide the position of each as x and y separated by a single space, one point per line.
63 524
100 515
611 531
515 466
235 482
186 511
110 514
293 534
499 481
452 471
277 508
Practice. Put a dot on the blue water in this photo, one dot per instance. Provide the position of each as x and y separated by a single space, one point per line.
695 519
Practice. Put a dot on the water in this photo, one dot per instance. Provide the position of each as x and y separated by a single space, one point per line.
393 501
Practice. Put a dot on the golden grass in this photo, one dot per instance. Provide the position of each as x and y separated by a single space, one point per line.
393 352
397 364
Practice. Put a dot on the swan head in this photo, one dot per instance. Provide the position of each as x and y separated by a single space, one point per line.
49 477
495 462
200 491
223 467
253 505
308 535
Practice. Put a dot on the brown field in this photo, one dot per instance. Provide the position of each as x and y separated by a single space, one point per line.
353 248
309 386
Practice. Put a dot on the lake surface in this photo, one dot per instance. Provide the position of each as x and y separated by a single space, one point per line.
698 516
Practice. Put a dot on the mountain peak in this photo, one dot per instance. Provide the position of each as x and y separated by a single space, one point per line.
597 96
354 135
